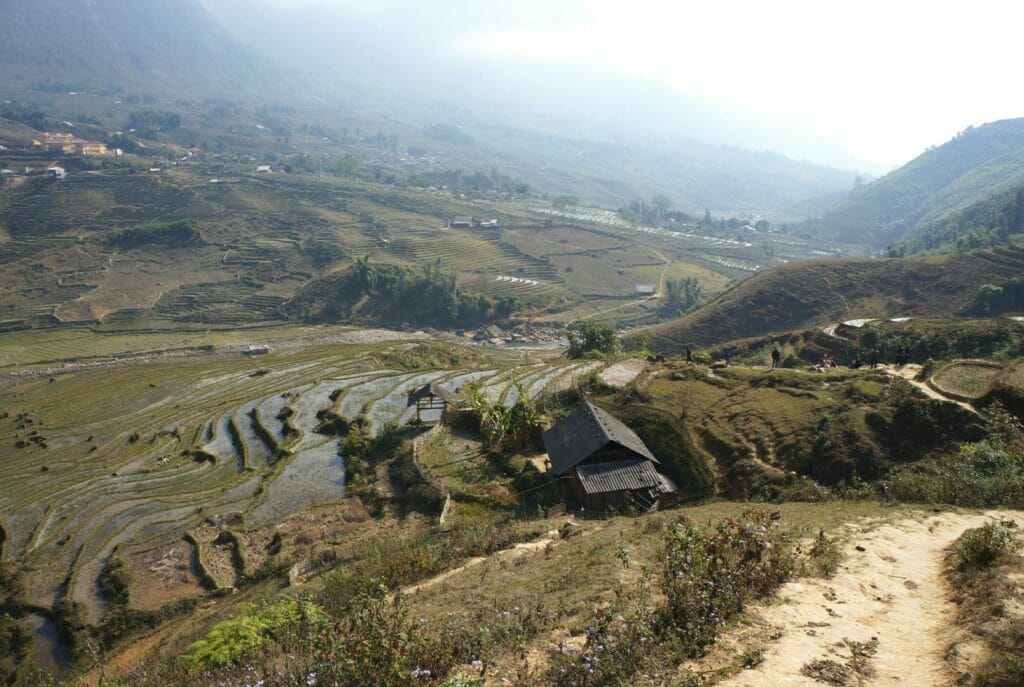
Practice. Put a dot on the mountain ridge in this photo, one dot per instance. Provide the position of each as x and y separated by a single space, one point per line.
159 47
977 164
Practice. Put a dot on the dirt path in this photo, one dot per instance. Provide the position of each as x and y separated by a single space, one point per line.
136 653
514 551
551 537
883 619
910 372
662 289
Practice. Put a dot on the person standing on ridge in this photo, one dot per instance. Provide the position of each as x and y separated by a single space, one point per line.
776 356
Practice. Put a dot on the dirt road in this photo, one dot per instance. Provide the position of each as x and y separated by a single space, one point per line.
883 619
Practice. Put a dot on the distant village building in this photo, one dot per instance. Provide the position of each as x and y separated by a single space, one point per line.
263 169
69 144
488 223
491 332
463 222
56 172
431 402
256 349
601 464
646 289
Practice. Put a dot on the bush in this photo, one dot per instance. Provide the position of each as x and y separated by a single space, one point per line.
708 577
115 581
587 338
228 642
704 577
171 234
982 546
669 441
982 474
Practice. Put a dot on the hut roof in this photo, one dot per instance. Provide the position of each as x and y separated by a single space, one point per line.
584 432
634 474
433 389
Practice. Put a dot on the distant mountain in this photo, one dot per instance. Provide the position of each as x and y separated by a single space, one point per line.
150 47
811 293
976 165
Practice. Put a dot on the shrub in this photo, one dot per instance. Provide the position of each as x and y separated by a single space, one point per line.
669 441
982 546
707 577
171 234
976 475
508 428
704 577
115 581
230 641
588 337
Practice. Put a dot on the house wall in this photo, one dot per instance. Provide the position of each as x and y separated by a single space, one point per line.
574 496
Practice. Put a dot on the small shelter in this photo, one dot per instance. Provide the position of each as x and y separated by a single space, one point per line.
646 289
602 464
431 401
256 349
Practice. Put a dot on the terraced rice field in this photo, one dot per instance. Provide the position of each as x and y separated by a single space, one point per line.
967 379
132 458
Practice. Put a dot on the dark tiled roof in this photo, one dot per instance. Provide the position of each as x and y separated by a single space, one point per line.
587 430
433 389
635 474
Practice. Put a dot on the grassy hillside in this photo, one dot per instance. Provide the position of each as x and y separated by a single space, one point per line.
158 47
978 163
804 294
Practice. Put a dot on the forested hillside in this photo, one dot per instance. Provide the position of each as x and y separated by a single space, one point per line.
157 47
987 223
969 169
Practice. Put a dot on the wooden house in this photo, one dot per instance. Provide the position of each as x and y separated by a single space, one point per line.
431 401
601 464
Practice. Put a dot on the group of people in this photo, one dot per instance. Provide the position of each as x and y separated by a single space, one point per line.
902 355
874 358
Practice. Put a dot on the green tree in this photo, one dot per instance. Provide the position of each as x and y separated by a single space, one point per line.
347 166
565 203
682 295
590 337
662 204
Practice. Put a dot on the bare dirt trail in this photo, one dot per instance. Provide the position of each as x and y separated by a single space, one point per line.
550 538
910 372
662 286
884 618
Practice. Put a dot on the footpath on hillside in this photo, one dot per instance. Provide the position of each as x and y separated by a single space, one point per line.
911 371
884 618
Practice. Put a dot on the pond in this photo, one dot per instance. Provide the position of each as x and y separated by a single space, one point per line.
51 653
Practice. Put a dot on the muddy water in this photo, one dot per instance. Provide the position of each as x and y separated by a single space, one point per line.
315 475
51 653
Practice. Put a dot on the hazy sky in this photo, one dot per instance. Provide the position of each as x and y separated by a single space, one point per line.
883 80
